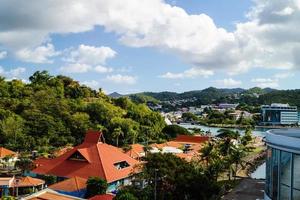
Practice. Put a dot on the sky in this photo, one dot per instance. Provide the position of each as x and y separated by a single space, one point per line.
130 46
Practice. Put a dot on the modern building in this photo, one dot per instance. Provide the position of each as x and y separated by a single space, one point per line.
227 106
91 158
283 165
279 114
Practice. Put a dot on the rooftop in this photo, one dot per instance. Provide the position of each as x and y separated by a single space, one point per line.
91 158
288 138
70 185
48 194
6 152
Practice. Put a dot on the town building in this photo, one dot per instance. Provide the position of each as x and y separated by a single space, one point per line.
227 106
92 158
74 186
48 194
283 164
279 114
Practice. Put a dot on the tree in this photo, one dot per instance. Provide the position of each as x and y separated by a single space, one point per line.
25 164
171 131
95 186
116 134
125 196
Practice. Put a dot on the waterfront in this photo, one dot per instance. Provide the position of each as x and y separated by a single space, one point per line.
214 130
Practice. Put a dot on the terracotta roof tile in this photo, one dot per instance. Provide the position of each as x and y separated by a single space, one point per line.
191 139
70 185
6 152
100 162
136 151
28 182
102 197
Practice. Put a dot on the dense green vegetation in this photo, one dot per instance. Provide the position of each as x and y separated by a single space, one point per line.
172 131
252 97
170 177
52 111
95 186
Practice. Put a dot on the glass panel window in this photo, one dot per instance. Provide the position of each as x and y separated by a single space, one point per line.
296 175
275 156
296 194
285 168
284 192
268 188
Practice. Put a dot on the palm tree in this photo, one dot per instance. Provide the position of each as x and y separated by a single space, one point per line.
116 134
227 133
207 153
236 157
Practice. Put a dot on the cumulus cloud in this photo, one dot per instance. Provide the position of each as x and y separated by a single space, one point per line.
93 84
265 82
40 54
190 73
91 55
3 54
87 59
14 73
121 79
269 38
228 82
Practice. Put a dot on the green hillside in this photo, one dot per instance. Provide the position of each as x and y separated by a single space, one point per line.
53 111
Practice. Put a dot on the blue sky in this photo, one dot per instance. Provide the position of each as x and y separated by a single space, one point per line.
131 46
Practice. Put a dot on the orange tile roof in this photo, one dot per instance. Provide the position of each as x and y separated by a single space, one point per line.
135 151
102 197
99 161
28 182
70 185
191 139
49 194
6 152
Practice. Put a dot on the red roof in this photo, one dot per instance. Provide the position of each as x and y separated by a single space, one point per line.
136 151
95 159
70 185
6 152
102 197
191 139
28 182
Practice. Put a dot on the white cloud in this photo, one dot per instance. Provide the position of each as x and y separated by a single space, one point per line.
269 38
121 79
14 73
266 82
3 54
76 68
88 59
283 75
91 55
228 82
40 54
190 73
93 84
101 69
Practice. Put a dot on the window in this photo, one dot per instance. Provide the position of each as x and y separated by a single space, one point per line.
285 174
77 156
296 177
121 165
275 155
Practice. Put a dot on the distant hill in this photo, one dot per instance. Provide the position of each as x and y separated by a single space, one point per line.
211 95
115 95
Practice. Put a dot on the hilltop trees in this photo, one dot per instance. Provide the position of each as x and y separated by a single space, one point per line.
53 111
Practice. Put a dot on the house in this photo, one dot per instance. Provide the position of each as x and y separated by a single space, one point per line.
7 158
74 186
48 194
91 158
136 151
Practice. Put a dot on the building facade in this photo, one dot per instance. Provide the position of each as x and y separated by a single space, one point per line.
279 114
283 165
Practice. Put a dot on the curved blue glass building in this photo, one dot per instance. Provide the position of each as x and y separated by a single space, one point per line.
283 165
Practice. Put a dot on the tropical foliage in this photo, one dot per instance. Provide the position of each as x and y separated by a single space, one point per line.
53 111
